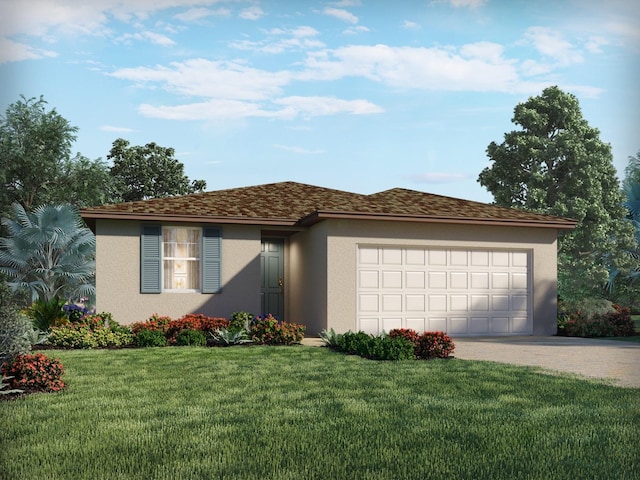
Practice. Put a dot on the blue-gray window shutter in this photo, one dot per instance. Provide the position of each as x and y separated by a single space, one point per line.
211 259
150 259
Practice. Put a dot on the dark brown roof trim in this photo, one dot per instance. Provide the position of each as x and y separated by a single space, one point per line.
318 216
159 217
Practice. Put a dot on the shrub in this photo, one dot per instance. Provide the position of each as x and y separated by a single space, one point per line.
92 331
434 345
330 339
615 322
47 313
150 338
155 322
227 337
376 347
194 338
406 333
4 385
171 328
16 333
240 321
269 331
75 312
34 373
353 343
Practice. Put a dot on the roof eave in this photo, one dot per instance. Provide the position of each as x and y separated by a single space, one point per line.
318 216
162 217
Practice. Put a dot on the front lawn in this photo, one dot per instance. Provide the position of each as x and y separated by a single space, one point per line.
310 413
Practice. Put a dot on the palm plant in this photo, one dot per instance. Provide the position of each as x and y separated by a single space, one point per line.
49 253
632 203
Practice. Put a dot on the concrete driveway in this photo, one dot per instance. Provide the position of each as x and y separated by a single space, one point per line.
614 361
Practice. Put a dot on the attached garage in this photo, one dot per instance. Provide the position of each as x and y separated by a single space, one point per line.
460 291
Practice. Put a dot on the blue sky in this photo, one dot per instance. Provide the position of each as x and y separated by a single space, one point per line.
354 94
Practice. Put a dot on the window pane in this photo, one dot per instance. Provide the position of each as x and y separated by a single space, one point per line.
181 249
194 274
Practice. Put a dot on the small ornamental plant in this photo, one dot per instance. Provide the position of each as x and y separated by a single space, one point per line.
34 373
434 345
269 330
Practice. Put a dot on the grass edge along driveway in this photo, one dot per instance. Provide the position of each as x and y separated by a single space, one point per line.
310 413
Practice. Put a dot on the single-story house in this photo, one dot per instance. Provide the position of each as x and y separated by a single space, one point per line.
327 258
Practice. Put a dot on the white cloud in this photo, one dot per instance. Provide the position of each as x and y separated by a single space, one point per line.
341 14
299 150
319 106
355 30
467 3
296 38
205 78
11 51
152 37
439 177
252 13
111 128
409 25
198 13
551 44
477 67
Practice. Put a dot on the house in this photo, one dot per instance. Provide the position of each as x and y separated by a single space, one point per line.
330 259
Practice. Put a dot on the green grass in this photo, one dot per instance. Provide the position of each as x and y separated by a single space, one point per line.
310 413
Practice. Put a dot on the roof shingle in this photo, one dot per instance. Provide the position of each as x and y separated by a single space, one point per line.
292 203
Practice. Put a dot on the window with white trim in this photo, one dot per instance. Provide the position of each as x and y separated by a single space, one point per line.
181 258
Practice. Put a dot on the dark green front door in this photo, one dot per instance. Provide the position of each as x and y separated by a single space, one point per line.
272 271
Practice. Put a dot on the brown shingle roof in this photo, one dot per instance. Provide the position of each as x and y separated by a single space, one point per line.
292 204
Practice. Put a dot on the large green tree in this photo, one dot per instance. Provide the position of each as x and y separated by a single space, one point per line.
36 165
149 171
48 253
555 163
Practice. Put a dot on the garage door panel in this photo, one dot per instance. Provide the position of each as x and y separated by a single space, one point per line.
415 280
479 325
437 324
458 325
369 303
472 292
390 323
391 279
500 325
417 324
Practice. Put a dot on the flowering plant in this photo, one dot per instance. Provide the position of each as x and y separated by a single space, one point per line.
34 373
268 330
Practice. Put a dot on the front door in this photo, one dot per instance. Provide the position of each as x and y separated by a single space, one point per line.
272 282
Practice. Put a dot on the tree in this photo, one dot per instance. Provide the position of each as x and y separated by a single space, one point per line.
149 171
36 166
48 253
632 171
557 164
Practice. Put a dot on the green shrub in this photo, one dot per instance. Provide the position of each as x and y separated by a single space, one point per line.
16 333
330 339
353 343
93 331
170 328
194 338
269 331
240 321
47 313
150 338
376 347
34 373
227 337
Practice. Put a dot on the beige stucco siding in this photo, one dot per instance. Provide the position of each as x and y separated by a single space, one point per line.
344 236
307 283
118 276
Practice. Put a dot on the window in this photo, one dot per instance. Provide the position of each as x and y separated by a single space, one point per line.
176 259
181 258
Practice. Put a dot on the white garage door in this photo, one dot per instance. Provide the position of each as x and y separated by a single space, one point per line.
461 292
